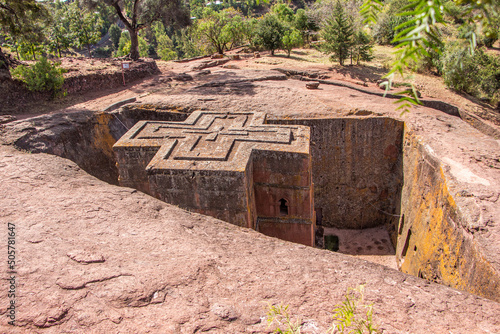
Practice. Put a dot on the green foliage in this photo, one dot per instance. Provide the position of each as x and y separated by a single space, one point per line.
453 11
187 45
283 12
490 37
384 29
19 18
291 39
59 34
352 316
165 46
43 76
85 25
370 10
338 34
114 34
140 14
102 52
143 47
270 32
477 75
220 30
248 30
419 33
362 47
124 44
279 316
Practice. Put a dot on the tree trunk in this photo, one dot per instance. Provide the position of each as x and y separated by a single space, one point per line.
88 49
134 44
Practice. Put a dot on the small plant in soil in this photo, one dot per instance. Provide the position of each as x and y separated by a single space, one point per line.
279 317
352 316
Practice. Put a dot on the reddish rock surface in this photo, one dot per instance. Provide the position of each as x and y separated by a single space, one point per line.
97 258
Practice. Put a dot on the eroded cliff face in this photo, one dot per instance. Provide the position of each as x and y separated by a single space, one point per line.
432 242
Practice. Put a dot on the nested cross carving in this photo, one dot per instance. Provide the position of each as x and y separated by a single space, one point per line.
207 136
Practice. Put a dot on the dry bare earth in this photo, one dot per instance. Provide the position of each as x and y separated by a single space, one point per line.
96 258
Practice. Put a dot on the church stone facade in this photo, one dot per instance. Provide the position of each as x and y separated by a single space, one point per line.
231 166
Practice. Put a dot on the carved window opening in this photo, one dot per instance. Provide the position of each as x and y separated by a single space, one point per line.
283 207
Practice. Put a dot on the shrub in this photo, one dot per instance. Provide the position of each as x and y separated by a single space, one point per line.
489 37
477 75
384 31
279 316
102 52
124 44
43 76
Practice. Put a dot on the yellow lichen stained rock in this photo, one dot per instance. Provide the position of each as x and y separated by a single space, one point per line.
432 243
102 138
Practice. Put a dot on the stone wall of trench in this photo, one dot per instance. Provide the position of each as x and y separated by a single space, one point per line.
357 170
431 242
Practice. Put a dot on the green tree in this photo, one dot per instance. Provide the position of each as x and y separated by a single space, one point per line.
283 12
139 14
362 47
302 24
59 35
85 26
165 48
420 31
248 30
338 34
291 39
477 74
164 45
19 18
270 32
124 44
221 29
114 34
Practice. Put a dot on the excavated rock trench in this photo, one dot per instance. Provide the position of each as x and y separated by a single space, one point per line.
369 175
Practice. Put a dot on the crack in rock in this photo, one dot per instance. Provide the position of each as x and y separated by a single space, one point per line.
81 285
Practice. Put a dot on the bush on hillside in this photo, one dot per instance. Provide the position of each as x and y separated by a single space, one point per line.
477 75
43 76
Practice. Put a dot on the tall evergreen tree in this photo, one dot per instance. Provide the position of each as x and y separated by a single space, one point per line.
338 34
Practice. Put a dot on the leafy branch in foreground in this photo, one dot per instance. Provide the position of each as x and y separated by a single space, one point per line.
352 316
420 33
370 10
